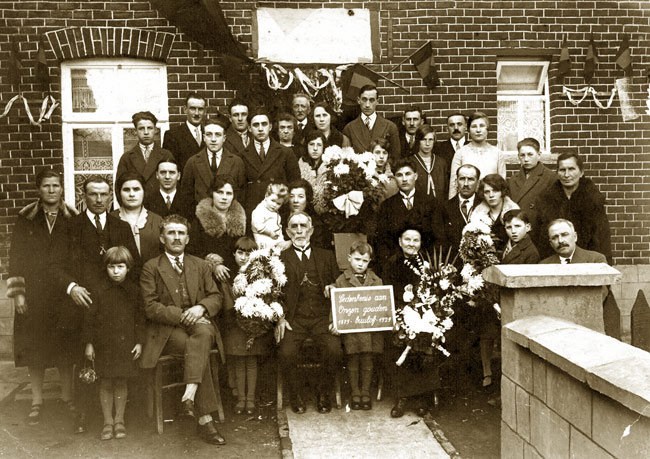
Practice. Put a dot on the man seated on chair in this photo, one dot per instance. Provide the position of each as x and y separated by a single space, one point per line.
310 274
180 299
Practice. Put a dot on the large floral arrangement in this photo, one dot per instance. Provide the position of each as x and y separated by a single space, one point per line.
257 287
477 252
426 317
348 190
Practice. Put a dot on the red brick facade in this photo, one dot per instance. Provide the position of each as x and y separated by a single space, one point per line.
468 36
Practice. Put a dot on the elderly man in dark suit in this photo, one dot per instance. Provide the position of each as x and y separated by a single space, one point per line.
409 207
457 129
265 160
310 274
238 136
167 199
81 270
185 139
532 179
180 300
371 125
213 160
459 208
145 156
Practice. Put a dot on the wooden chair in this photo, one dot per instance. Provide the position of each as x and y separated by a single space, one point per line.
156 386
307 350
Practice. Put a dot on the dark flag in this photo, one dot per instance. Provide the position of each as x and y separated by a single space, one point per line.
42 71
565 61
15 66
623 56
423 61
591 60
361 76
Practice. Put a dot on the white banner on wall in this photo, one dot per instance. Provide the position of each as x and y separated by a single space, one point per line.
301 36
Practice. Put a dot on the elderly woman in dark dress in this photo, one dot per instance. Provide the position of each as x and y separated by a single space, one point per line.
219 221
418 376
39 342
145 225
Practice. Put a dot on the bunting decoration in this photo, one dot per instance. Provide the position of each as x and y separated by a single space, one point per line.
585 92
424 62
565 60
44 114
590 61
623 57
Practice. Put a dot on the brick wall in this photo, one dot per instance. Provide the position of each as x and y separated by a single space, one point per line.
567 391
467 35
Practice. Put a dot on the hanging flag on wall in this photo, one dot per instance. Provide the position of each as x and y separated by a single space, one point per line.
15 66
624 57
591 60
565 60
360 76
424 62
42 71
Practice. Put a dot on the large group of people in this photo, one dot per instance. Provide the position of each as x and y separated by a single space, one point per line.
154 277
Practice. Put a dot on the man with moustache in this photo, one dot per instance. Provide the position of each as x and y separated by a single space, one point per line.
145 156
167 199
563 239
81 270
459 208
180 301
237 135
301 108
214 159
457 129
186 139
413 118
577 199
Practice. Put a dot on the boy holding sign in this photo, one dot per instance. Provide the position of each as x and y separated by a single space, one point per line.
360 347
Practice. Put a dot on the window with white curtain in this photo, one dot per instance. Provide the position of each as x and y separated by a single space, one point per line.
522 104
98 99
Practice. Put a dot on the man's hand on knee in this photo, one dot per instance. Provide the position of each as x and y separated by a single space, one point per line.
192 315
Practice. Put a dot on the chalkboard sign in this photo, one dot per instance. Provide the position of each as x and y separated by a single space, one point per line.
363 309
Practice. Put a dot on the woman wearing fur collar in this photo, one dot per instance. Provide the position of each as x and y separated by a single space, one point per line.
39 237
220 220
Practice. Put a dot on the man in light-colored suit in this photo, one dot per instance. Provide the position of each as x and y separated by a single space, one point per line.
180 300
371 125
145 155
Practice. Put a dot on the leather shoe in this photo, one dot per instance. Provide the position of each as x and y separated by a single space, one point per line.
422 409
209 434
398 410
80 423
297 404
324 404
187 409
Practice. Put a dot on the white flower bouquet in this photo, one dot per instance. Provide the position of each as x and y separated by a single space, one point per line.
257 288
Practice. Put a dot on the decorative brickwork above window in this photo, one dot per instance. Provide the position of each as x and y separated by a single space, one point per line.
89 42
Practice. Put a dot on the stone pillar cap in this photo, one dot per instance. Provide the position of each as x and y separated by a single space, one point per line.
552 275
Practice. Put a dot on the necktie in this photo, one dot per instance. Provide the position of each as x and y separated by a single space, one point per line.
457 145
213 165
197 135
464 208
146 152
98 224
409 203
51 217
367 122
303 252
178 265
566 261
262 152
411 140
168 202
244 139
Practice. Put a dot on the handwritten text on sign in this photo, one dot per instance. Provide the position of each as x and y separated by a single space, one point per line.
362 309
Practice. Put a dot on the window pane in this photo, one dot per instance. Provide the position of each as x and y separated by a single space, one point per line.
520 78
79 180
532 124
507 125
92 91
93 150
139 90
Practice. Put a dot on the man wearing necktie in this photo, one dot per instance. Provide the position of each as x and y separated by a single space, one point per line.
144 157
301 108
180 301
185 139
213 159
459 208
370 126
457 129
81 272
237 136
168 199
310 271
412 119
563 239
265 160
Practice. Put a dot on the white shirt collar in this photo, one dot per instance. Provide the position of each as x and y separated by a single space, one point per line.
303 123
300 252
266 143
145 147
219 153
408 196
172 257
102 218
171 195
192 128
461 200
372 119
569 258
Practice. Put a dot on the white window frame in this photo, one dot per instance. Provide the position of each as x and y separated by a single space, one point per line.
542 93
72 120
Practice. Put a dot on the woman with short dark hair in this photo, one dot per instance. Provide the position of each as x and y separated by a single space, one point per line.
40 338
